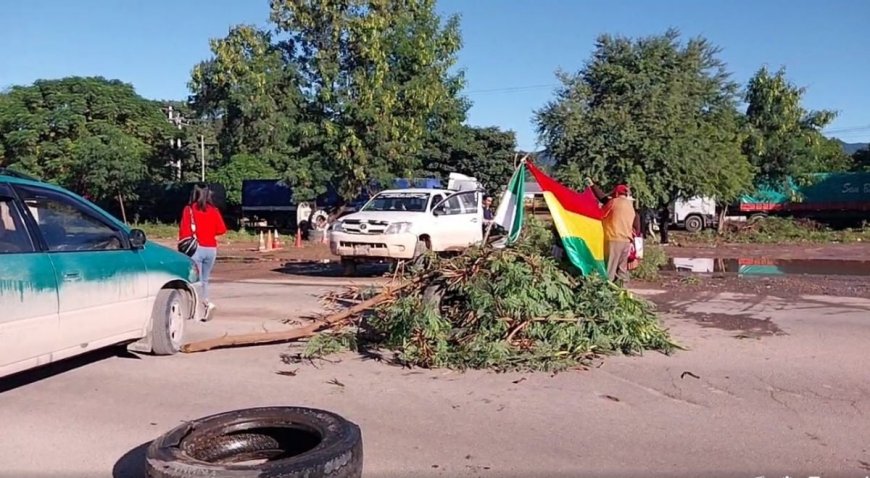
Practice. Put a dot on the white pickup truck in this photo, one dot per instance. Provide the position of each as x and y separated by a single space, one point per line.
403 224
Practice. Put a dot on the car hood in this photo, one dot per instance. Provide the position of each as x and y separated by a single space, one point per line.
388 216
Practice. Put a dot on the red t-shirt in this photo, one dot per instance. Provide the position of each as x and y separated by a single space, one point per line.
209 225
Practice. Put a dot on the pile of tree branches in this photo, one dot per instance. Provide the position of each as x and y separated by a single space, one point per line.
505 309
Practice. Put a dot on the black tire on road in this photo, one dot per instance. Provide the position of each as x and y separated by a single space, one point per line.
171 309
270 442
694 223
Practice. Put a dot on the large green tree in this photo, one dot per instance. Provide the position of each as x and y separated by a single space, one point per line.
251 92
487 153
92 135
785 139
377 79
654 112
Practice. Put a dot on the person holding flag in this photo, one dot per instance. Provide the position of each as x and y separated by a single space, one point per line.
621 226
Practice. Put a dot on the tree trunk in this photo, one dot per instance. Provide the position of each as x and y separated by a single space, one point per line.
123 211
664 224
720 223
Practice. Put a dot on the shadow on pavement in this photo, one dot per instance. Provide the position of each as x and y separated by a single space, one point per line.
46 371
330 269
132 464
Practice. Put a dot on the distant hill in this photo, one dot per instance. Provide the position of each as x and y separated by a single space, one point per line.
852 148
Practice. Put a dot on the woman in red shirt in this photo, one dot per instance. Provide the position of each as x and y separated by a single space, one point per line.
201 216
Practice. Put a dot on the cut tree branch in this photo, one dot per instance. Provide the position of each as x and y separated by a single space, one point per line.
293 334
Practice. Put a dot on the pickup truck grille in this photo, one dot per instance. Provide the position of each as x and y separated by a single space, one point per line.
355 226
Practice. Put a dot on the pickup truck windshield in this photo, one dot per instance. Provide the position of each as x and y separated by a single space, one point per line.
411 202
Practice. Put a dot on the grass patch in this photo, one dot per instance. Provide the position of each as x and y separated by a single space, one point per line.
156 230
779 230
654 258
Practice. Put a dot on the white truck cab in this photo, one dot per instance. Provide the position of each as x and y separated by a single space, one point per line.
403 224
694 214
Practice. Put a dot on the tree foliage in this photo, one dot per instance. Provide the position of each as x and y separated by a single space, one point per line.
253 94
653 112
486 153
785 139
338 92
376 79
240 167
92 135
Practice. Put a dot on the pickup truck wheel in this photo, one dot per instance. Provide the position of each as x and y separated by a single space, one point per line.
694 223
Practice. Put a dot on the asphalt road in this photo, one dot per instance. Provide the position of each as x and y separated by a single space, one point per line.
775 388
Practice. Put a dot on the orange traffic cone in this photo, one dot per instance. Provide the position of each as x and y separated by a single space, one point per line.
277 240
269 245
299 238
262 246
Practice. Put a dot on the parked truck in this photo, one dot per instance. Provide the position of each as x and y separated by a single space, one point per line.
826 197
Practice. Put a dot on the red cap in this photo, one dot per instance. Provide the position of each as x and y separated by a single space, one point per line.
620 189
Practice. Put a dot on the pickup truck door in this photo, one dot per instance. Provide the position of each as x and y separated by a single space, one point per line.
459 221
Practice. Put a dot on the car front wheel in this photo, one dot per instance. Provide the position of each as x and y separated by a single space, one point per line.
167 321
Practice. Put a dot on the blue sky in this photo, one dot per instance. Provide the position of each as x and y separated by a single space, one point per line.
511 47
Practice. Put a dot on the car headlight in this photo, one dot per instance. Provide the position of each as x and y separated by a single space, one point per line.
398 228
337 226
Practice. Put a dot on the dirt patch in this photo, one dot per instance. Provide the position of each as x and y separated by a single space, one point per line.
744 326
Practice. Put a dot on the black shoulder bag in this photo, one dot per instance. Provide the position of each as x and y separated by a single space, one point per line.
188 245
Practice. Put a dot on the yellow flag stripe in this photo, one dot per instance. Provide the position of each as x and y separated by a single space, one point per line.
570 224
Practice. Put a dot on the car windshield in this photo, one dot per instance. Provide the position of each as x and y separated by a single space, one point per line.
411 202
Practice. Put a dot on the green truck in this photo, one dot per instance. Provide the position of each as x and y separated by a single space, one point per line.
827 196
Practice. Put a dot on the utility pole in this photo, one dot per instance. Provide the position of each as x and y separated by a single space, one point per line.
176 119
202 155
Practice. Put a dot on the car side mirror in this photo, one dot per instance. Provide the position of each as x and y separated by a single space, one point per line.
137 239
439 211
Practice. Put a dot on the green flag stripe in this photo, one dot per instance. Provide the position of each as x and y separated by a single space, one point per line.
580 255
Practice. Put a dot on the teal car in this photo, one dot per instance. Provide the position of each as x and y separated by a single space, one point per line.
73 279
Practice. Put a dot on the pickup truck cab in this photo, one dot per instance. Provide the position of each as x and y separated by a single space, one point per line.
404 224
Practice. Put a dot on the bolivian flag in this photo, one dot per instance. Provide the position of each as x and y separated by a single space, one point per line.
577 217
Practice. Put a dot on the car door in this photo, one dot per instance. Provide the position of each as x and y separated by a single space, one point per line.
28 291
458 221
102 284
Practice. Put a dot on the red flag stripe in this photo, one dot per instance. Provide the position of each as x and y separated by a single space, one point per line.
585 203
